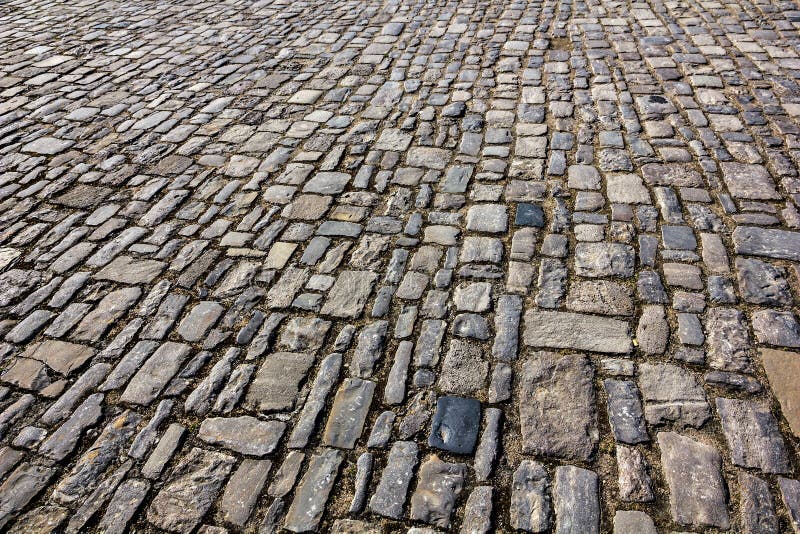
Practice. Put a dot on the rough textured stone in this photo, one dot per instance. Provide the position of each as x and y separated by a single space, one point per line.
390 494
633 523
191 490
369 348
21 486
245 434
768 242
604 259
576 500
123 505
506 325
757 507
728 341
363 474
671 393
564 330
60 356
315 402
348 413
277 381
464 369
790 493
625 411
491 218
530 507
107 448
600 296
626 189
652 332
753 436
440 483
776 328
349 294
65 438
557 406
312 493
762 283
697 490
486 454
200 319
783 370
155 373
748 181
478 511
633 480
127 270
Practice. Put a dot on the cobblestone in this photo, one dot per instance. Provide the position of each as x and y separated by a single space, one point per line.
405 266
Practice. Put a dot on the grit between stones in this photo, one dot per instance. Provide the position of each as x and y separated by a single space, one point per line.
399 266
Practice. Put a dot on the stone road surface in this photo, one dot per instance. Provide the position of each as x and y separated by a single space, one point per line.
402 266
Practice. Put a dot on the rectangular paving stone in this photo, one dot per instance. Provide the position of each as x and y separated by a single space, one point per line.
242 491
123 505
168 443
349 294
60 356
277 381
244 434
155 373
753 436
783 371
672 393
455 425
506 324
348 413
369 349
604 259
200 319
190 491
558 417
531 505
21 486
576 500
697 493
564 330
748 181
431 158
625 411
107 311
464 369
392 489
308 505
768 242
127 270
728 341
107 448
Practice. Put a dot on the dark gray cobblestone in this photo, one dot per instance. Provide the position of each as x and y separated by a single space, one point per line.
400 266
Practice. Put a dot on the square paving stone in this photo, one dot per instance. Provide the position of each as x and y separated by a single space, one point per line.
749 181
455 424
491 218
529 215
678 237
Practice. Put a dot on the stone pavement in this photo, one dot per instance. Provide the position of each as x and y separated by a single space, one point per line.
403 266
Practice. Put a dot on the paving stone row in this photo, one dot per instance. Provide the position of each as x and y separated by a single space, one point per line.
402 266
